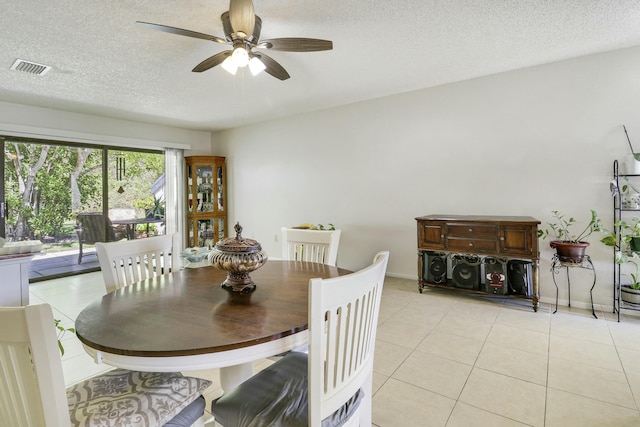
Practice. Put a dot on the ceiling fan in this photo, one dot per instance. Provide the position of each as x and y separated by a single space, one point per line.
242 31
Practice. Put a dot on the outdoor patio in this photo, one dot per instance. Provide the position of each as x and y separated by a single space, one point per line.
60 264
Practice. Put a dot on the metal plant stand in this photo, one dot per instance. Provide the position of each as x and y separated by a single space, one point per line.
557 265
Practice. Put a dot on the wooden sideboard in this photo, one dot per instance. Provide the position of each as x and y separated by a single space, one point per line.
512 237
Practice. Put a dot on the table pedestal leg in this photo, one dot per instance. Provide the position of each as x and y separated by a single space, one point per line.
232 376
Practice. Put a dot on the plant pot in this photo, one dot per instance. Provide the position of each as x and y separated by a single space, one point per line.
631 200
630 295
570 252
632 165
634 244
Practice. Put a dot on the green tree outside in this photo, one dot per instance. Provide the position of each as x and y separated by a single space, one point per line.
46 186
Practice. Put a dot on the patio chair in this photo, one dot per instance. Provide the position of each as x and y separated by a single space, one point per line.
129 261
33 389
94 227
319 246
331 385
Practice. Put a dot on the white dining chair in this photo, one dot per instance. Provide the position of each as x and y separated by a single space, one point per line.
333 383
32 388
319 246
129 261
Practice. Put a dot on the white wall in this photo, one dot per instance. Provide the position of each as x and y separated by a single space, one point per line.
519 143
23 120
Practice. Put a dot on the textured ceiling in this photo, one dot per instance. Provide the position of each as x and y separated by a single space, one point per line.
104 64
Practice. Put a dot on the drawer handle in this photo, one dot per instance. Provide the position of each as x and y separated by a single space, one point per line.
470 245
471 230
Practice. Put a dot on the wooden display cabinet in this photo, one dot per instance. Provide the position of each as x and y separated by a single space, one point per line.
206 200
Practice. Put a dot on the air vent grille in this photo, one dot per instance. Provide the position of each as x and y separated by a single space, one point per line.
30 67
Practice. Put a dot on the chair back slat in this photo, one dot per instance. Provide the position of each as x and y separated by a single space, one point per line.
126 262
343 313
319 246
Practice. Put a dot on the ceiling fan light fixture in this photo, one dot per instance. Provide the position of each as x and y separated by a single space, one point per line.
240 57
229 66
256 66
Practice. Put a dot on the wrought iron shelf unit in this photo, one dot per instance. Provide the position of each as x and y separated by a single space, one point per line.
620 212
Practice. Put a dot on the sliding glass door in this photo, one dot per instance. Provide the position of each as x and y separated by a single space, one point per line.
70 196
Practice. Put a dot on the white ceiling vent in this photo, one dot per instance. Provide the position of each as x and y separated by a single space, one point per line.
30 67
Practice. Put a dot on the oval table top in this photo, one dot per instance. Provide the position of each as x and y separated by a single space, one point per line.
188 312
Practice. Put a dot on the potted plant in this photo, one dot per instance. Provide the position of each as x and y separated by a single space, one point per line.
630 196
630 292
627 253
632 161
321 227
156 210
570 246
629 235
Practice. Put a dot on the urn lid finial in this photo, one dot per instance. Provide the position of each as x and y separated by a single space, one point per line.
238 244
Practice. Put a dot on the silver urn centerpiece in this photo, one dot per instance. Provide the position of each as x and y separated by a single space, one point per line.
238 256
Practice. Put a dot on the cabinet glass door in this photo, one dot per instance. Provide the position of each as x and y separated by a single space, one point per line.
220 188
205 232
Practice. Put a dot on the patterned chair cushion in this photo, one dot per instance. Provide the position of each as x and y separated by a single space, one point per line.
131 399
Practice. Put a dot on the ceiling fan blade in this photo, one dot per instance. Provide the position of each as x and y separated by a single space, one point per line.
212 61
273 68
296 44
182 32
242 16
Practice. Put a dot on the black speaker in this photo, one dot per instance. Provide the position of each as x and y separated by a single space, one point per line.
519 277
495 275
436 265
465 271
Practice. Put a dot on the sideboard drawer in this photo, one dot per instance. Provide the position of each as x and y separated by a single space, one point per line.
472 245
473 231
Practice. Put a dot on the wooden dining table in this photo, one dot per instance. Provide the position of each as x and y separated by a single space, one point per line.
185 320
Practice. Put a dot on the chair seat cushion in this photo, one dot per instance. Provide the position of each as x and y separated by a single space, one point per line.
276 396
189 415
130 398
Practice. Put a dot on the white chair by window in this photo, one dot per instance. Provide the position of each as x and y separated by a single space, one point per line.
129 261
331 385
319 246
32 388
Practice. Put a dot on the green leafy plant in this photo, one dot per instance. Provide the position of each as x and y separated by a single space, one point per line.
630 258
561 228
61 331
630 195
157 209
322 227
309 226
628 231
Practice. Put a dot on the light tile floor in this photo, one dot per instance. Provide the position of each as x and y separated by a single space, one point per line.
446 358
